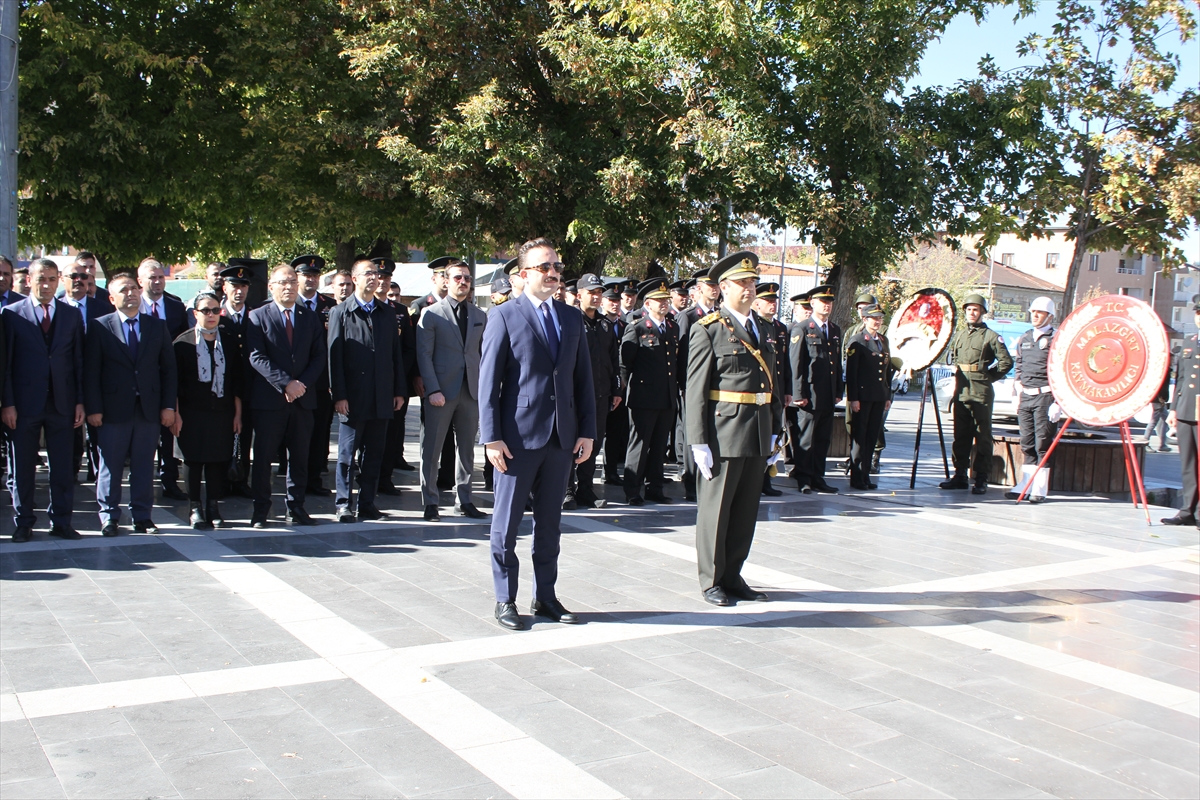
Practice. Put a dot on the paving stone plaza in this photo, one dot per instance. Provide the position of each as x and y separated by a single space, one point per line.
915 644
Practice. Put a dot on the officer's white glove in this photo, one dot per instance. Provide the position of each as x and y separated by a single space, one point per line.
703 457
1055 412
774 457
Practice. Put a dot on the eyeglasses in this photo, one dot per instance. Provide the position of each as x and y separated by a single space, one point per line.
557 266
79 276
207 311
370 274
461 278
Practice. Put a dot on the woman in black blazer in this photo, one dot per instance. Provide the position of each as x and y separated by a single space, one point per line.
210 407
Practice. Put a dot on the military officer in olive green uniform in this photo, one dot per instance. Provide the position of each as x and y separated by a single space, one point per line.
1182 417
868 392
980 359
734 406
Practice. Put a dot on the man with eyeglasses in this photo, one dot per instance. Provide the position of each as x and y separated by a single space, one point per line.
287 357
90 308
449 337
537 416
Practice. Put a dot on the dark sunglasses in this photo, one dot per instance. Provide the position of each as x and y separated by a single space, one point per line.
207 311
79 276
557 266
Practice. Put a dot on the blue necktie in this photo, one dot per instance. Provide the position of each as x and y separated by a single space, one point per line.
551 333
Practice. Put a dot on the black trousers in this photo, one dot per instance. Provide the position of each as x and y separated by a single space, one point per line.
616 442
393 447
973 428
318 448
210 473
687 475
291 429
1037 431
648 432
813 433
583 475
168 466
1186 433
864 434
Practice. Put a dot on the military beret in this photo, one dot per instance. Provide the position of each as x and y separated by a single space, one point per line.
734 267
309 263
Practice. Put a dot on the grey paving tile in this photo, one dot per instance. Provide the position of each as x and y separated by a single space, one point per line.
50 667
933 696
22 756
492 684
415 763
37 789
259 703
1057 777
345 706
478 791
697 750
84 725
720 676
594 696
1083 749
108 766
618 666
824 720
647 775
946 773
905 789
773 782
936 730
654 647
1156 778
234 774
1131 737
31 629
293 744
180 728
706 708
356 782
833 767
828 687
575 736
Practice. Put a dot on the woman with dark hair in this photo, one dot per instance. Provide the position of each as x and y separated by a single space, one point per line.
210 407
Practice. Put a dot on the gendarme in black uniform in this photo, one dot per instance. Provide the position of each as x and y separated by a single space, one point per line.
816 356
688 320
1183 408
868 383
606 384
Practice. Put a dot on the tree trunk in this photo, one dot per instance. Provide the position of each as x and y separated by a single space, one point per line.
844 278
343 254
1083 232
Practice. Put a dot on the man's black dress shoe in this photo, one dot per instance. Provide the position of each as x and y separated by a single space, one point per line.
979 488
23 534
824 488
855 483
197 520
804 487
1180 519
63 532
469 510
259 522
744 592
957 482
389 489
317 490
432 515
658 498
616 480
145 526
404 465
716 595
770 491
173 492
110 529
634 501
507 616
344 514
368 511
553 610
569 503
298 516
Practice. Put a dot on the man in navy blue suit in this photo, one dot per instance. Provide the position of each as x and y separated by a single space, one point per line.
129 387
7 295
537 414
287 359
171 310
44 337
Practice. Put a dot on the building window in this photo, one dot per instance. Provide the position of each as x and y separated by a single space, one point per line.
1093 263
1125 268
1051 260
1007 259
1131 291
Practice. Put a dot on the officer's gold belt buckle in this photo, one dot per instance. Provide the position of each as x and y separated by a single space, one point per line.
745 398
970 368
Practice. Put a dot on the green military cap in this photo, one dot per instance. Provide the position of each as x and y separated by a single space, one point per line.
734 267
653 289
975 299
872 310
679 287
702 276
822 292
801 300
866 297
767 290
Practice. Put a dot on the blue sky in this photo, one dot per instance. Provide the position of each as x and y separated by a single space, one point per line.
956 55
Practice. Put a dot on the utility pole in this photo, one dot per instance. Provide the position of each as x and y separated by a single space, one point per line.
10 11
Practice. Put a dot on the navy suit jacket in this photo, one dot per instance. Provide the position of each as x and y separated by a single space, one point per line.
523 393
110 373
38 368
275 364
176 313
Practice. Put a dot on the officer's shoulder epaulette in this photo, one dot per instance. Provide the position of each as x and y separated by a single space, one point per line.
710 318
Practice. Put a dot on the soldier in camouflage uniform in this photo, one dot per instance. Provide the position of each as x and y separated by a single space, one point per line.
734 406
980 359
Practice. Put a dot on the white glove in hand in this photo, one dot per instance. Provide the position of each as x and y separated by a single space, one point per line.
774 457
1055 412
703 457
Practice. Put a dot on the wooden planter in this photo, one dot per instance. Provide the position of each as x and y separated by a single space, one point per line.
1087 465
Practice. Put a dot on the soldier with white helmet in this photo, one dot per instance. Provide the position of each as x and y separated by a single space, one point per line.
1037 431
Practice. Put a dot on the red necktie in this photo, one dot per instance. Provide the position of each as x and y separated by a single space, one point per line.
287 325
154 310
45 318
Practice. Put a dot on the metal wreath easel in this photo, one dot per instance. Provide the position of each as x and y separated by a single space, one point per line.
927 387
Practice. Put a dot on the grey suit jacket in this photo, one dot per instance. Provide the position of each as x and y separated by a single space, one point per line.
444 360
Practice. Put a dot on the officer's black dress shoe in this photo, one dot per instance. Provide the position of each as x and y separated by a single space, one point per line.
824 488
716 595
658 498
469 510
64 532
173 492
389 489
197 520
110 529
569 503
507 616
317 490
213 513
344 514
634 501
258 521
957 482
145 526
298 516
859 485
770 491
404 465
804 486
368 512
744 592
979 488
22 534
1180 519
431 514
615 481
553 610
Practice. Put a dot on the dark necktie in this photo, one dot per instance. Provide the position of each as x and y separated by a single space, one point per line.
45 318
751 332
461 313
312 304
132 338
825 331
154 310
551 333
287 325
